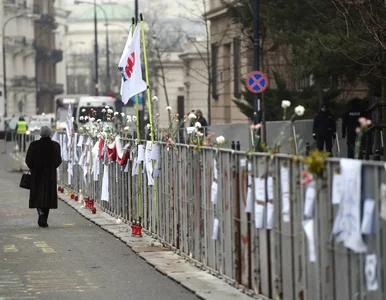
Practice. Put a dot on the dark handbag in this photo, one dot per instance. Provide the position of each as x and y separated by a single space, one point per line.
25 181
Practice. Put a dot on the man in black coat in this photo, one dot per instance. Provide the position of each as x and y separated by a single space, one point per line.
43 158
350 123
324 129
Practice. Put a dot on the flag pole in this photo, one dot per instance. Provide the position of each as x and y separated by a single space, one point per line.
147 81
150 112
139 208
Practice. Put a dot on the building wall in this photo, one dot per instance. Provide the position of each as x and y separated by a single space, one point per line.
19 53
47 56
229 45
195 76
61 15
173 70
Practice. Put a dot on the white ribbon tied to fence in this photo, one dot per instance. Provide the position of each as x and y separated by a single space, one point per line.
347 224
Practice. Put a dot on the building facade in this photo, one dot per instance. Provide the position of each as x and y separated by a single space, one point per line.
230 62
46 56
18 52
80 41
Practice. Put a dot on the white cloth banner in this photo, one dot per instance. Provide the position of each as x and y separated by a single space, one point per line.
308 226
134 171
149 163
69 172
64 142
105 184
285 194
75 158
130 67
347 224
80 142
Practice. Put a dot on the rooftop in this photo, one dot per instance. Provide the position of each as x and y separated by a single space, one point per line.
114 12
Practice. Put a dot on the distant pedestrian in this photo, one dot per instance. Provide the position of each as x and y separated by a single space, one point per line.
21 130
43 158
350 123
324 129
200 119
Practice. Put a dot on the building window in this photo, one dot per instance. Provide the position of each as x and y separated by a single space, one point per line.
214 71
236 68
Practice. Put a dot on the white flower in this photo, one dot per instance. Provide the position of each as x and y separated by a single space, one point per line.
200 133
192 116
169 108
220 140
83 110
86 118
148 126
285 104
110 111
134 118
81 118
299 110
108 119
122 114
198 125
116 113
92 119
126 128
99 120
107 107
128 117
103 110
155 98
87 128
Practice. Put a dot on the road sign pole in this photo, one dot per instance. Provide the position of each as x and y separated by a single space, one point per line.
256 56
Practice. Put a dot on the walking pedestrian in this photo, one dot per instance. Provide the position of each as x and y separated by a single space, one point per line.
21 130
350 123
43 158
324 129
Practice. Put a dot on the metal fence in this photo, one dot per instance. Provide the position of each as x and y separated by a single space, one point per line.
272 263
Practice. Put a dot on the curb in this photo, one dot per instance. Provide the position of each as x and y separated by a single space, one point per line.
168 263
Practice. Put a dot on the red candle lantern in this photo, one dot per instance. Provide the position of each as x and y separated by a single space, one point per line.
94 211
76 198
59 189
91 204
72 196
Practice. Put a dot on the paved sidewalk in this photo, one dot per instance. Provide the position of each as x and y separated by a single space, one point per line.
203 284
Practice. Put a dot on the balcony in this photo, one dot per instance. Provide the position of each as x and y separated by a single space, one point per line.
16 44
51 88
23 82
15 4
54 56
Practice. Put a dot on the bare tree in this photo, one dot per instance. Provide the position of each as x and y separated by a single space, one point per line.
197 14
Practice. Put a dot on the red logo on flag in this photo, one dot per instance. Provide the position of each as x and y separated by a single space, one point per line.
130 65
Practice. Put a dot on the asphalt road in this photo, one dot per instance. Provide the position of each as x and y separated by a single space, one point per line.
72 259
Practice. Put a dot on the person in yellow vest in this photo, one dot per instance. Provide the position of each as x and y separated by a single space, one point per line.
21 130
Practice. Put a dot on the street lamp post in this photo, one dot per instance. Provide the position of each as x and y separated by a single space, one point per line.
96 45
4 63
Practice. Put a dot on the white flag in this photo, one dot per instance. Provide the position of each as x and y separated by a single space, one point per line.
122 61
130 67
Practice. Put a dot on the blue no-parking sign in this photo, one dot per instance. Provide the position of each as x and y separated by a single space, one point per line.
257 82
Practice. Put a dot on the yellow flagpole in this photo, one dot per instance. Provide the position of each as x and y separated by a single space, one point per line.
150 111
